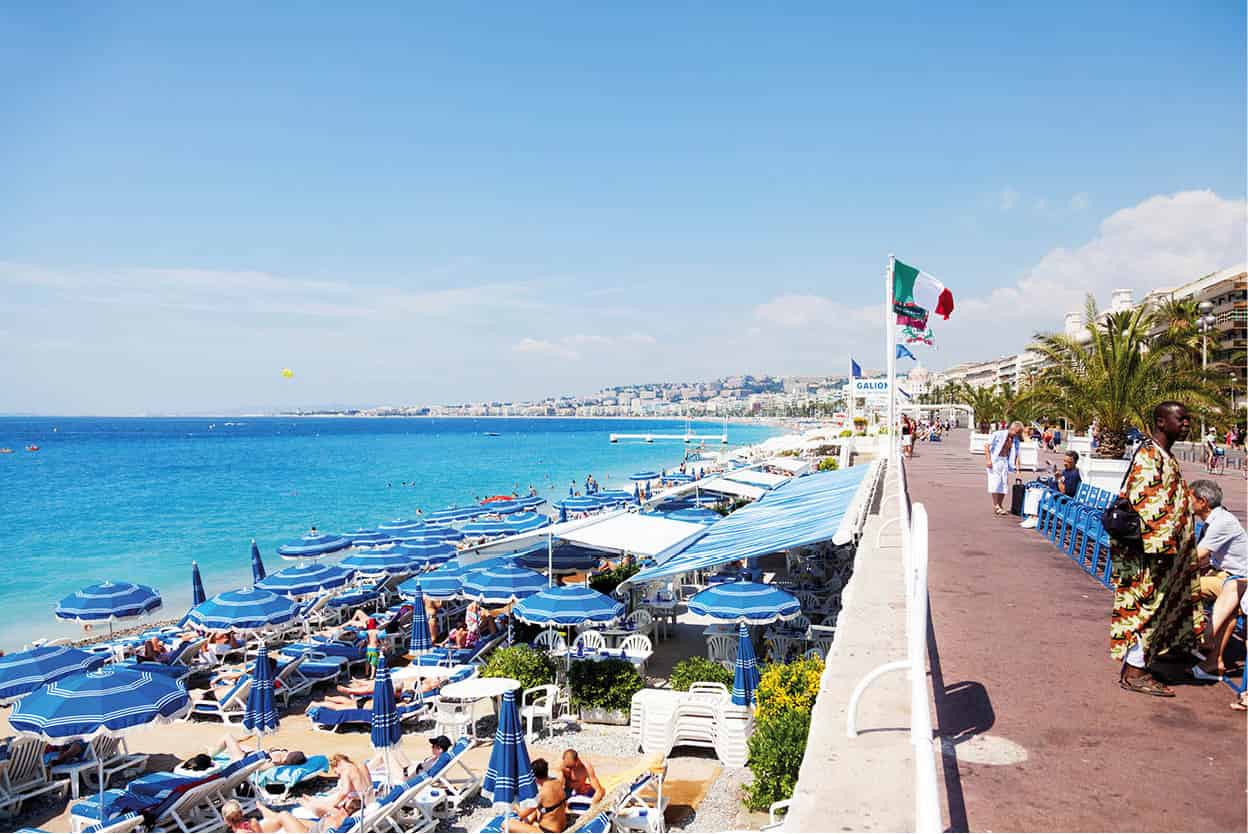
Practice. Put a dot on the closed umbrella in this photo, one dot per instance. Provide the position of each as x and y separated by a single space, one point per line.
386 732
109 602
197 585
420 642
509 778
260 716
749 602
247 609
257 564
745 673
26 671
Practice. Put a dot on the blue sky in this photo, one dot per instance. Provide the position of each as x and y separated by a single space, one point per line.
416 204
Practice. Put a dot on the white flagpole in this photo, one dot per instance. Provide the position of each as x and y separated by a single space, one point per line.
890 346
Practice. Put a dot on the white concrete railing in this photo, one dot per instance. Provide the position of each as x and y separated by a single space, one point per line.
913 520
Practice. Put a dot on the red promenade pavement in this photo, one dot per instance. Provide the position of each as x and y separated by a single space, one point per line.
1022 675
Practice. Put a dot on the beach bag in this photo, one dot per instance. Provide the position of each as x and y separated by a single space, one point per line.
1120 520
1017 494
1031 503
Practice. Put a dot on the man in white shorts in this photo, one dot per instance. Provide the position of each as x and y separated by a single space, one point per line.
1001 458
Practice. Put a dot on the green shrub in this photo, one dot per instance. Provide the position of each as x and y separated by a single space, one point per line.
693 670
789 686
829 465
776 750
527 665
604 684
607 581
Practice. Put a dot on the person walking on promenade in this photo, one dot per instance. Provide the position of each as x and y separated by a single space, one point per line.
1156 585
1001 458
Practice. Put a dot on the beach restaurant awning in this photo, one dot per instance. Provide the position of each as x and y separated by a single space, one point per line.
757 478
802 512
524 542
794 466
642 535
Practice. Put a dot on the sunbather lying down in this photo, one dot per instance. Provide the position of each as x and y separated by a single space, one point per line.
271 820
350 694
236 749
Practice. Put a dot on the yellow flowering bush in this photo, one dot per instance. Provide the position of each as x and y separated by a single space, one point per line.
789 686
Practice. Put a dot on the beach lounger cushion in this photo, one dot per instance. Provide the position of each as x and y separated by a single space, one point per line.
329 718
279 781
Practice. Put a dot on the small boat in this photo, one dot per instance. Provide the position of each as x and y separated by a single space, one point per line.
32 448
6 451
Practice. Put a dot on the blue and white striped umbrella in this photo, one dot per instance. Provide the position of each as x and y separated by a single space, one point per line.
563 514
26 671
105 702
109 601
400 526
450 514
246 609
367 538
386 731
377 560
583 504
695 515
509 779
260 715
503 507
483 527
749 602
313 545
197 585
643 476
444 583
420 641
429 534
428 553
569 605
621 496
563 558
678 477
530 501
257 564
500 584
309 578
745 673
524 522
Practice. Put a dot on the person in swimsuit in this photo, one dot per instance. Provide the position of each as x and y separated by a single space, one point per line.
471 632
579 777
372 654
551 813
354 784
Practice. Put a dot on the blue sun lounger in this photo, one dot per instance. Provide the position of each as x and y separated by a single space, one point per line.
276 783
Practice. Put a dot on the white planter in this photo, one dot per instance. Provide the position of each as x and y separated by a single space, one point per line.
1082 445
1029 455
978 441
598 715
1105 473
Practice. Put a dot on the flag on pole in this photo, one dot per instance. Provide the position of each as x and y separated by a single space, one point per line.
920 335
855 370
915 290
918 320
903 352
903 392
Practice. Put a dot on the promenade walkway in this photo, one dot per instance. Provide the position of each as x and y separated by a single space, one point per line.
1028 698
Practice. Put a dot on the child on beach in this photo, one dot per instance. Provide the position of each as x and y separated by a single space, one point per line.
372 653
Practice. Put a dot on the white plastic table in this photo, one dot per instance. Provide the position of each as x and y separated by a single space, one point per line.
417 672
474 689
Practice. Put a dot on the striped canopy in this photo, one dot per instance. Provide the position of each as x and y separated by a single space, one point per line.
745 673
431 533
524 522
444 583
569 605
678 477
457 513
309 578
105 702
530 501
386 731
427 553
260 715
366 537
614 495
745 602
562 558
585 503
484 527
501 584
503 507
246 609
509 779
400 526
388 559
257 564
697 515
643 476
26 671
313 545
109 601
197 585
420 642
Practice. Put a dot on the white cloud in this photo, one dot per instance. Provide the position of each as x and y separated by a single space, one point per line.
541 347
573 347
805 310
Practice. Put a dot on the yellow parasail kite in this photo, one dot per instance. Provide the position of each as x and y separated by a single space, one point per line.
287 373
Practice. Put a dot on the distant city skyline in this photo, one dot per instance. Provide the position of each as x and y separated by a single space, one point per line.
417 205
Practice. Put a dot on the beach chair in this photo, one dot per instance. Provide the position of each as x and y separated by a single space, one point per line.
722 649
318 614
774 820
107 752
408 807
641 645
276 783
643 621
331 720
550 641
460 782
228 709
590 640
446 656
542 703
25 776
643 805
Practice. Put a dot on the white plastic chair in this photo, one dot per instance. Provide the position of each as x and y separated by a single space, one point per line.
641 620
541 703
640 644
550 641
590 640
722 649
454 718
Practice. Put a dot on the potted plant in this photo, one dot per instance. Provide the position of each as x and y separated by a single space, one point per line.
603 690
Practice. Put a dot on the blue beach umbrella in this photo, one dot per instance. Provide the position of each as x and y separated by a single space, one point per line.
420 641
309 578
246 609
483 527
260 715
569 605
503 507
531 501
257 564
430 533
444 583
501 584
745 673
106 702
386 732
109 601
525 522
678 477
450 514
197 585
509 779
388 560
26 671
616 496
427 553
366 537
643 476
748 602
561 558
313 545
400 526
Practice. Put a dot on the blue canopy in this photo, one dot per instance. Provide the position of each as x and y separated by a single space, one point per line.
109 601
621 496
503 507
678 477
484 527
530 501
427 553
420 643
257 564
524 522
385 732
586 503
430 533
197 585
457 513
643 476
247 609
509 778
501 584
388 559
797 513
444 583
23 672
696 515
105 702
745 602
569 605
311 545
367 537
260 715
563 558
745 672
400 526
310 578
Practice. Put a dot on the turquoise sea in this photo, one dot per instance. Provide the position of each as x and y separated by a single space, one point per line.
139 499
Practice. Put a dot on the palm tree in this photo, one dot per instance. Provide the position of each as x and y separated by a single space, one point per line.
984 401
1117 372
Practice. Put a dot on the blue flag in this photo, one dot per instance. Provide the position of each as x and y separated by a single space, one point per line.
855 370
903 352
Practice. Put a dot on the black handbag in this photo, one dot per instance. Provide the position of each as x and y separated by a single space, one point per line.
1120 520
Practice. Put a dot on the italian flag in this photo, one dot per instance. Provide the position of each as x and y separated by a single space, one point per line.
914 288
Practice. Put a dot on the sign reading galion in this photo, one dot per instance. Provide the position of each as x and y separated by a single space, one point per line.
871 388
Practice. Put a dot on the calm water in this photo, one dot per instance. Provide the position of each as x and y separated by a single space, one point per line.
138 499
